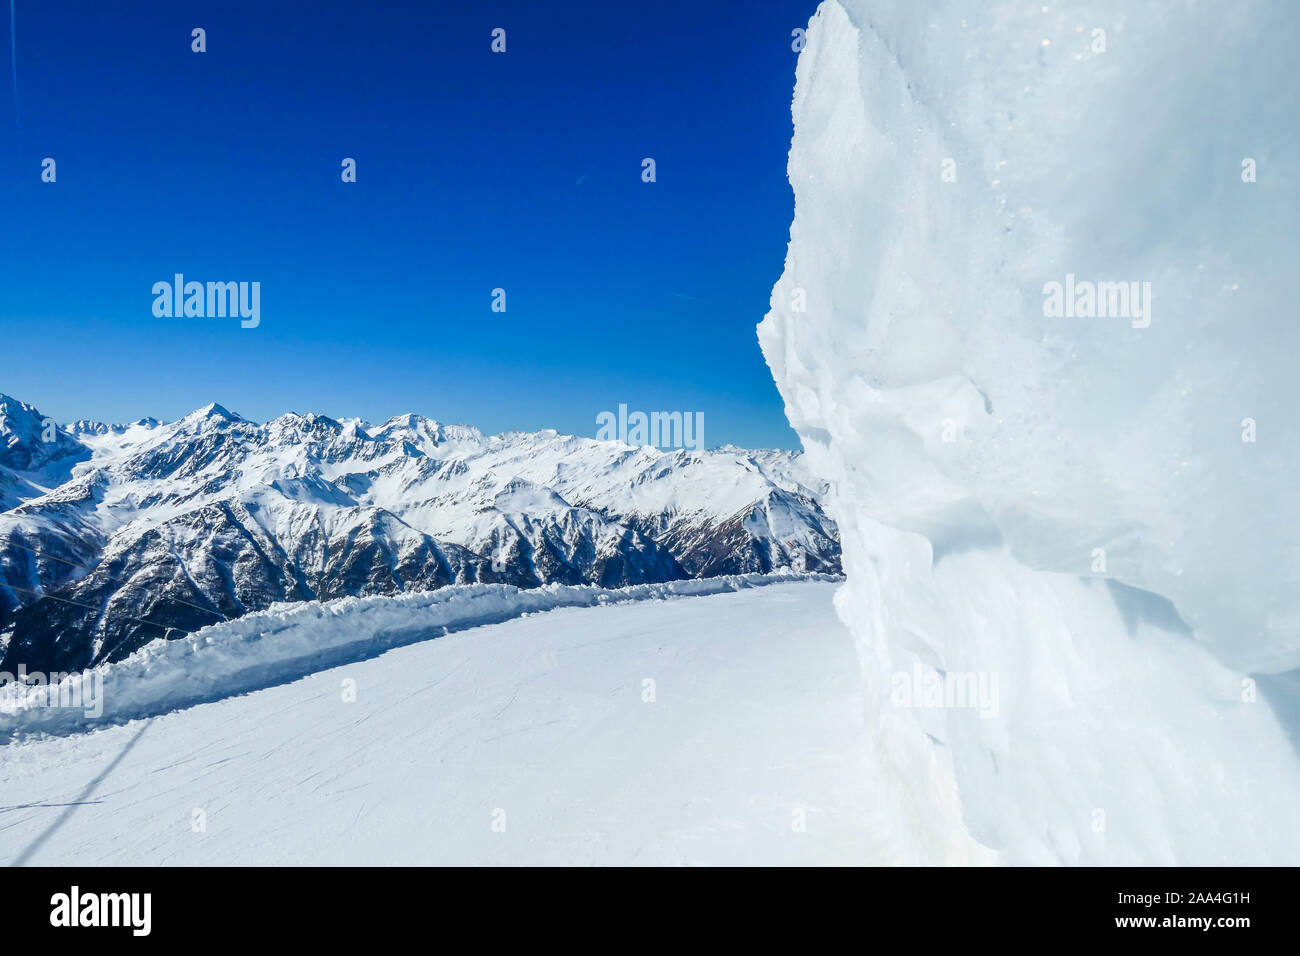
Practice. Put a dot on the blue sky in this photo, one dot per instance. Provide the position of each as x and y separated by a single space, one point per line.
475 171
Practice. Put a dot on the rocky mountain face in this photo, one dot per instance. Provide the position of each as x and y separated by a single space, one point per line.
115 535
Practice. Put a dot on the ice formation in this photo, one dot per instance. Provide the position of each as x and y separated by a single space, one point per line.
1097 508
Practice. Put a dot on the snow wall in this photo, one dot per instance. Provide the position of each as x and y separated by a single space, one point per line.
1074 506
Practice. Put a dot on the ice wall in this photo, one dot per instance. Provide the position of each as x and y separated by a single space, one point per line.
1096 515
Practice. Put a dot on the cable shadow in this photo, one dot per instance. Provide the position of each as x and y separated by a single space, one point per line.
82 799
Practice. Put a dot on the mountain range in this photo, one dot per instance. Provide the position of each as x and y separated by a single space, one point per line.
112 536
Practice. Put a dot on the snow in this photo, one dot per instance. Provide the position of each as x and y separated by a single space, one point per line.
216 514
438 478
29 465
289 641
447 481
750 752
1061 510
1065 503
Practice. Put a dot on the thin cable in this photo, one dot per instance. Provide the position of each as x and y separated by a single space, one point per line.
98 610
82 567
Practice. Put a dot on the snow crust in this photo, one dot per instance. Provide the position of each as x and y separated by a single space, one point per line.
984 456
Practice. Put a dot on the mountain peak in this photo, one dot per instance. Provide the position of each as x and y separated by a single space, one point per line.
307 506
14 410
30 442
88 426
213 412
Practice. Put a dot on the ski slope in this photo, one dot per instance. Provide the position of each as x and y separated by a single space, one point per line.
750 753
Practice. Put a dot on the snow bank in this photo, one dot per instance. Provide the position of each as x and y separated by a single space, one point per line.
289 641
1096 515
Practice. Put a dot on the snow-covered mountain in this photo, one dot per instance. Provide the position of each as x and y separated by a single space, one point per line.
115 535
31 465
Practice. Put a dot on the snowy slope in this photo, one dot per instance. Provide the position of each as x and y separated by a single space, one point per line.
1073 507
167 528
749 752
289 641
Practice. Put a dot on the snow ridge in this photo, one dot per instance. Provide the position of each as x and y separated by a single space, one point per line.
287 642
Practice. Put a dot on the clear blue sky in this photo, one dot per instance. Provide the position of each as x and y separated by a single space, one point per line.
475 171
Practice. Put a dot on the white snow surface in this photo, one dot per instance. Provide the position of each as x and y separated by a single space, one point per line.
292 640
749 752
1126 731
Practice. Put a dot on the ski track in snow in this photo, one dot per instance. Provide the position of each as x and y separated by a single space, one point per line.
757 719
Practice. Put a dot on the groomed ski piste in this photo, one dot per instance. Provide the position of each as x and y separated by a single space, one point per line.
697 722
